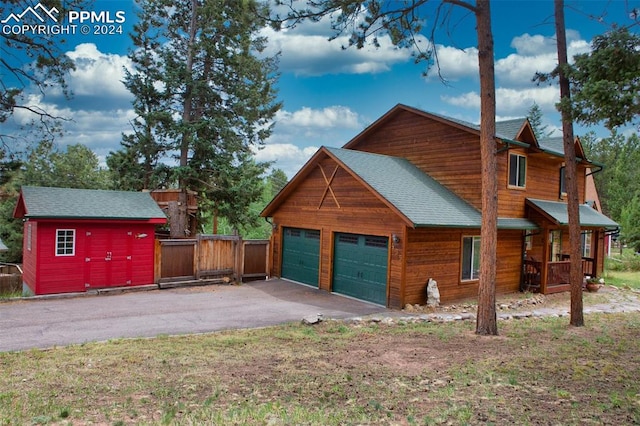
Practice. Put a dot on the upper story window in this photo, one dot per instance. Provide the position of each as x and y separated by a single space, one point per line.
470 258
563 187
517 170
65 242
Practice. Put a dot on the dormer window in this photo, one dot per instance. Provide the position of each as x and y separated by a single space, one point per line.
517 171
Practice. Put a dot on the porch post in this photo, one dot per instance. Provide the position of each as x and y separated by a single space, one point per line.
545 260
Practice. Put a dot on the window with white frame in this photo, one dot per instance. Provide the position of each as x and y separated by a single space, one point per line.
65 242
29 236
470 258
517 170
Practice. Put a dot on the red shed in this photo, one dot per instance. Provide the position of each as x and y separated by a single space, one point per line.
80 239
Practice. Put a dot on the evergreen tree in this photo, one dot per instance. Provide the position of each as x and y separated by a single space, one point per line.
605 83
535 118
202 93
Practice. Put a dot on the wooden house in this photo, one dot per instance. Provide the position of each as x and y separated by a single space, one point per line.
78 239
400 203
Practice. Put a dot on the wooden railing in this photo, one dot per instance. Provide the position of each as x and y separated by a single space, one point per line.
588 266
558 273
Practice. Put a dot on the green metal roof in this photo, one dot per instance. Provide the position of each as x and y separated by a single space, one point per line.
67 203
516 223
416 195
558 212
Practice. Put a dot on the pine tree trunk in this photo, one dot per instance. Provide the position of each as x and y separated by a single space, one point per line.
181 225
571 181
486 318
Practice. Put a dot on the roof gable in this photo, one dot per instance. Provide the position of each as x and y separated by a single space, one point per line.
67 203
508 131
417 198
404 187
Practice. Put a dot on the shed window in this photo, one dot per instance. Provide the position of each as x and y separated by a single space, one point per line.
65 242
470 258
517 170
29 236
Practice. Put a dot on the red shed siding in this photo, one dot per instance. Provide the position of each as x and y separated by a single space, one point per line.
130 261
29 255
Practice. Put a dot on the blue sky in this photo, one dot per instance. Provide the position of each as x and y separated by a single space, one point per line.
329 94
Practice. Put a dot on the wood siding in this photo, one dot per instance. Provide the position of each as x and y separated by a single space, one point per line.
542 182
448 154
347 207
436 253
452 157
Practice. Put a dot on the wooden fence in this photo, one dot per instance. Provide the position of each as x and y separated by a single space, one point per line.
211 257
10 278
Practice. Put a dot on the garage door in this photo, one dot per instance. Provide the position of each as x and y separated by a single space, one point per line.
360 267
301 255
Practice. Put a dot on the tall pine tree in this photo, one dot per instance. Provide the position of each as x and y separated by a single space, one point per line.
204 96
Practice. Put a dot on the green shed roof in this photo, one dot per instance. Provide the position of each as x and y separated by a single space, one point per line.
557 212
67 203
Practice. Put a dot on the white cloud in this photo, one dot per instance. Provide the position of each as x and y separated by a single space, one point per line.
535 53
511 102
329 117
298 134
286 156
313 54
98 74
455 63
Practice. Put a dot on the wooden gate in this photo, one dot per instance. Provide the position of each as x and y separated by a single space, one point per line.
211 257
175 260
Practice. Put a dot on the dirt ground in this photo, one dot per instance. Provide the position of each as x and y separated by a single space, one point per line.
606 296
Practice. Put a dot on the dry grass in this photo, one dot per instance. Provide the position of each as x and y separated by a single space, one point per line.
538 371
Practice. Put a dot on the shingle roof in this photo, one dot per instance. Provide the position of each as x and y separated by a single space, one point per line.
558 212
42 202
416 195
554 145
509 128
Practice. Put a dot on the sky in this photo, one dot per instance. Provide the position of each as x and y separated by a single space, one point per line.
330 94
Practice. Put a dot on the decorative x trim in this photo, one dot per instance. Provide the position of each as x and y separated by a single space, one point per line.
328 188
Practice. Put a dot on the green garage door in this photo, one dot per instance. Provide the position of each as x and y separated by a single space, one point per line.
301 255
360 267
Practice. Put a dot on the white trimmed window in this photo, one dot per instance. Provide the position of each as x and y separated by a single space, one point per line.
517 171
470 258
29 236
65 242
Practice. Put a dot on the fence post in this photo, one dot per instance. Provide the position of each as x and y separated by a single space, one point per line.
157 264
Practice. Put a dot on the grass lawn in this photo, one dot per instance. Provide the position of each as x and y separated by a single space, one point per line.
538 371
623 279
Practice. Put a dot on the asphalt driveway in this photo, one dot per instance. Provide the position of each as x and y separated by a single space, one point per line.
48 322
